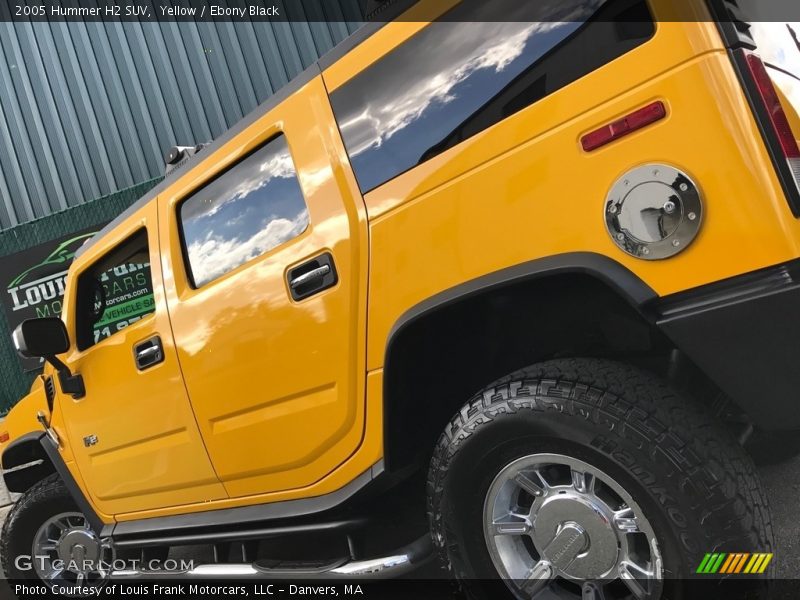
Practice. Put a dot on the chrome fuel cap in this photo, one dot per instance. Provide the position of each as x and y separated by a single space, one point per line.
653 211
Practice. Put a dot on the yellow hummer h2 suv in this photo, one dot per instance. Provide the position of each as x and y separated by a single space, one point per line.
513 291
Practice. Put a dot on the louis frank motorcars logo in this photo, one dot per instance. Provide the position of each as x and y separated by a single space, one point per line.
734 563
25 294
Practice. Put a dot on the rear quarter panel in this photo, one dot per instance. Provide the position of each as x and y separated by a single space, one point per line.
525 189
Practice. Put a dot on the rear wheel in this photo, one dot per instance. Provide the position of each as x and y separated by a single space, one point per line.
588 479
552 515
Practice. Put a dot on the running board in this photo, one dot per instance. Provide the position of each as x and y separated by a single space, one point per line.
405 560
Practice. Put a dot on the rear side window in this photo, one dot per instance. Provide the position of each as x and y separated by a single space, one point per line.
468 71
114 292
251 208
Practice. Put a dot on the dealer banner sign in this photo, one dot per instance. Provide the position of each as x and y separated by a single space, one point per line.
33 283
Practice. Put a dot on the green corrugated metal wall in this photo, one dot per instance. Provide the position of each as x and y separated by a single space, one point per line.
87 109
15 382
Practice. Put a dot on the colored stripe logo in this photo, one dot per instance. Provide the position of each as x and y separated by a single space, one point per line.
734 563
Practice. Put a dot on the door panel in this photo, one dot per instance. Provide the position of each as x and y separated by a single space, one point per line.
147 451
276 383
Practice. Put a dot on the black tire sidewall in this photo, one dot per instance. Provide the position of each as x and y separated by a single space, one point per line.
501 442
694 484
44 500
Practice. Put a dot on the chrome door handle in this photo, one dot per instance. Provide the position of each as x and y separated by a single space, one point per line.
310 276
148 353
143 355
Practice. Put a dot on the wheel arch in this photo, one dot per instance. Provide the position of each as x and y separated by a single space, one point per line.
34 456
440 352
25 462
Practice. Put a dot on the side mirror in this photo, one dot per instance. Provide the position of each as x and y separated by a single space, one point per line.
41 338
45 338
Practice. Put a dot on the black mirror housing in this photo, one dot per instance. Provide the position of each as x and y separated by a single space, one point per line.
45 338
41 338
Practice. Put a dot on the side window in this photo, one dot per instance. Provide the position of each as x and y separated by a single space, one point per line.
115 292
246 211
480 63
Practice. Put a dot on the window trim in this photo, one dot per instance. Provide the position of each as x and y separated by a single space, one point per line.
78 319
187 266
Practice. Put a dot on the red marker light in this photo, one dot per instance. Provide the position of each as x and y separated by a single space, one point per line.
3 437
622 127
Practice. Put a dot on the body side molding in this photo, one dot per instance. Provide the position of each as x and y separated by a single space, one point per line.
254 514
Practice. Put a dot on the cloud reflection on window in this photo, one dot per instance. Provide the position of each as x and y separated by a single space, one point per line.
399 111
389 112
249 210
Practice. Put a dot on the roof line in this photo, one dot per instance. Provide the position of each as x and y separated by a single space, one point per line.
315 69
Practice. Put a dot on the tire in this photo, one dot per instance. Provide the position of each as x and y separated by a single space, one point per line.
696 488
42 503
43 500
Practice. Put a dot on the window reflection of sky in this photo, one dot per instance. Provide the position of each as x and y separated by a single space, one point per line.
244 213
414 97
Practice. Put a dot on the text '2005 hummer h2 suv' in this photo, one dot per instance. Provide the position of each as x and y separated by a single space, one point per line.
521 289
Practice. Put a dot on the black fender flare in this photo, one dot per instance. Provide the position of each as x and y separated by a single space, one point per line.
25 462
38 451
615 275
608 271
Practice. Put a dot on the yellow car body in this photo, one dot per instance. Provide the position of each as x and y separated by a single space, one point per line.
262 399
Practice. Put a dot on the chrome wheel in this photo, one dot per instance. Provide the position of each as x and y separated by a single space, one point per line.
67 551
557 527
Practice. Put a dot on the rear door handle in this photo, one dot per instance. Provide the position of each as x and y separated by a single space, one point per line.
312 277
148 353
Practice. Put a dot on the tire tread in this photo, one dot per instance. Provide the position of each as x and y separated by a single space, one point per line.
51 488
673 431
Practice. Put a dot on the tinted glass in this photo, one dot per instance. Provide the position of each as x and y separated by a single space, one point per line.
457 77
115 292
247 211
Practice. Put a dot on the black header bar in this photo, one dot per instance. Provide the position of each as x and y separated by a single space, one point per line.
21 11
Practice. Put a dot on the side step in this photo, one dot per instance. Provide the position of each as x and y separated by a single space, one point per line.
403 561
